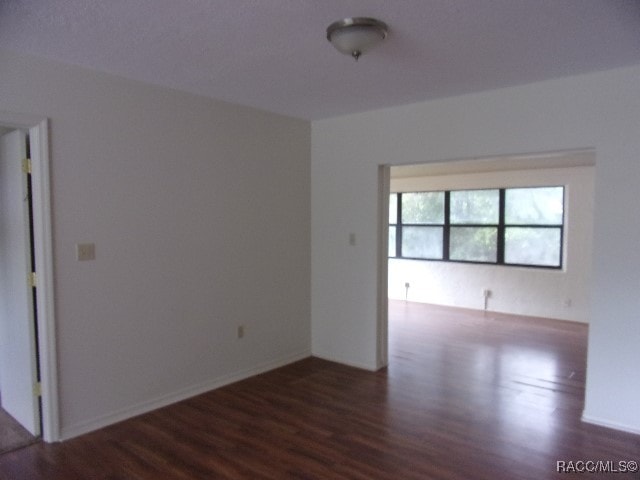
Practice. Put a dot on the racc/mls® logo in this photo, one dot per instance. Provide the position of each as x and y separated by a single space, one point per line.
596 466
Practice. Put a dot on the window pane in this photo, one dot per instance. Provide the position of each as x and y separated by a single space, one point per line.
475 206
476 244
534 206
422 242
393 208
423 207
532 246
392 241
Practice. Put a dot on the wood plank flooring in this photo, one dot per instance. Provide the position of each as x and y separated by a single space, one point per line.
12 434
466 396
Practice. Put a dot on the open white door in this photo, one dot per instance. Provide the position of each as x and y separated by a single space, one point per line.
18 364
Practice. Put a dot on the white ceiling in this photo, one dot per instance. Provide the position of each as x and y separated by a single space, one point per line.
273 54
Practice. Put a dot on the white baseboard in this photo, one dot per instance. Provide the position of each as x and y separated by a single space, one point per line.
345 361
71 431
609 424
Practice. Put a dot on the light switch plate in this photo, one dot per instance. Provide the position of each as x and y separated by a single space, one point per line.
85 251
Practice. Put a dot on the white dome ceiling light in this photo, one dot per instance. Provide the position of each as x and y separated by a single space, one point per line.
355 36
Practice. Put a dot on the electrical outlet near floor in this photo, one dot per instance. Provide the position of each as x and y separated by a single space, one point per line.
240 331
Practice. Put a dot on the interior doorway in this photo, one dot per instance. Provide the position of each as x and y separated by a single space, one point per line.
19 366
30 380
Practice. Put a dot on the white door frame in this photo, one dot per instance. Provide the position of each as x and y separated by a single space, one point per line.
384 187
38 128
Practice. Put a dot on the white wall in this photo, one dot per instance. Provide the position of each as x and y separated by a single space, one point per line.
200 214
600 111
562 294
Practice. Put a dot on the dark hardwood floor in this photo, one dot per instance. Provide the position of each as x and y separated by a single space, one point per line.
466 396
12 434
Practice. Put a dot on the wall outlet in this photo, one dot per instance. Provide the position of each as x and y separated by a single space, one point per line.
85 251
240 331
486 293
567 303
407 285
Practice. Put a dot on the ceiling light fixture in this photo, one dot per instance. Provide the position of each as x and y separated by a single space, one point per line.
355 36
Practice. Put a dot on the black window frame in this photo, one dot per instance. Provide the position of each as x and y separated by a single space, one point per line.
501 228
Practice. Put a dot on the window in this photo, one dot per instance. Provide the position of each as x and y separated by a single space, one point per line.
393 220
422 217
533 226
474 221
506 226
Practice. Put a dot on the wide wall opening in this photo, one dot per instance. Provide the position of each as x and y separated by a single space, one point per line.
510 235
488 287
